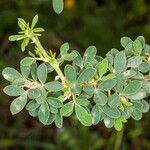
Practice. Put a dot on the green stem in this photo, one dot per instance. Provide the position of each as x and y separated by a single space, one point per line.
118 141
52 61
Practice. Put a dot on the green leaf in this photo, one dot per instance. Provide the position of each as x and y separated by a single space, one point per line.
83 116
97 115
109 122
34 71
21 23
88 89
54 86
114 100
107 84
43 113
50 119
70 56
86 75
100 98
24 44
58 121
136 114
111 112
42 73
70 73
64 48
58 6
55 102
102 67
34 93
146 106
18 104
11 74
142 40
41 99
138 95
82 102
144 67
32 105
67 109
16 37
53 110
34 21
109 76
120 62
125 41
119 84
13 90
25 71
27 61
90 53
137 47
78 60
128 74
134 62
38 30
118 124
133 87
34 113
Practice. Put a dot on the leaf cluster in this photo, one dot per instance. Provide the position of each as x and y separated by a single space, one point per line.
95 89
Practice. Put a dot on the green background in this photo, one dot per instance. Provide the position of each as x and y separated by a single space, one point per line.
83 23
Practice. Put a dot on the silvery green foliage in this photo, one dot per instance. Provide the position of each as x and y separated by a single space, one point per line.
94 89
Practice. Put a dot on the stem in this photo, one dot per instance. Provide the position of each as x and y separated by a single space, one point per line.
52 61
119 137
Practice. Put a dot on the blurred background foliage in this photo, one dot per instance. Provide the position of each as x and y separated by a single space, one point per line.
83 22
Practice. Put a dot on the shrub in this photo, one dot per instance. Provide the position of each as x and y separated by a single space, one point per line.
110 89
